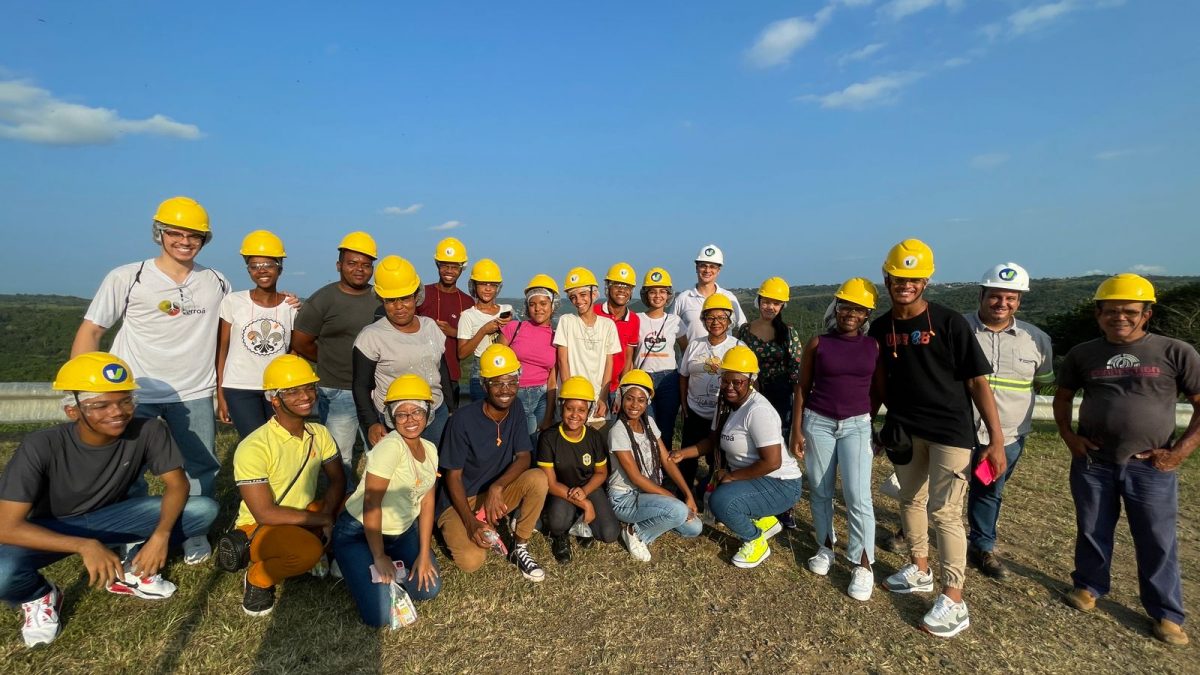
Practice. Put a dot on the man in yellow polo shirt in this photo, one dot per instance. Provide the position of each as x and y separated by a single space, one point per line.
276 469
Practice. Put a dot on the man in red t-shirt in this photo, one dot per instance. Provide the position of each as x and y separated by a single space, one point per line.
444 303
618 286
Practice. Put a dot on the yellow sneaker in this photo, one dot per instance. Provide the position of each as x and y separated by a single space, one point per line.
752 553
768 526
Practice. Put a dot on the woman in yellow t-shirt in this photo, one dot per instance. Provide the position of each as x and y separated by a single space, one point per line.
388 521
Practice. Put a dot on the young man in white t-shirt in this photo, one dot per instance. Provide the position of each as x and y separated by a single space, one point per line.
169 308
690 301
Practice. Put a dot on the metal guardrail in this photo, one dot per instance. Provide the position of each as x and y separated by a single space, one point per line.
37 402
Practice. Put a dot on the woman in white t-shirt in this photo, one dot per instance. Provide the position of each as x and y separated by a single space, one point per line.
635 481
255 327
656 350
586 341
754 477
479 326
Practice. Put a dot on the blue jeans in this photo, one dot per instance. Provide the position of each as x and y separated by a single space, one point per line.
248 409
830 444
1151 500
664 408
739 503
354 557
125 522
336 410
654 515
193 425
476 389
534 400
983 501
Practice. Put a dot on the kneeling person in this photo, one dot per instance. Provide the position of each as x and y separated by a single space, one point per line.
64 491
276 469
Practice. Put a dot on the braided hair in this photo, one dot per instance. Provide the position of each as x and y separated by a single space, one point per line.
655 469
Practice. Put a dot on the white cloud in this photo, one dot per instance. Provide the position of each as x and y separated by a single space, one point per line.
448 225
875 91
1032 18
1148 269
1093 273
861 54
898 9
779 40
956 62
31 114
402 210
989 160
1119 153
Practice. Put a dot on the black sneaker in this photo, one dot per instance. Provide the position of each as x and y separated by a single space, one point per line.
560 546
585 542
988 562
787 520
257 601
525 562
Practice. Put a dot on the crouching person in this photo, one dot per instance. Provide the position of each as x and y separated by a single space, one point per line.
389 518
276 469
64 492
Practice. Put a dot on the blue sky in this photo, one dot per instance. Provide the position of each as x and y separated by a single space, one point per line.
802 137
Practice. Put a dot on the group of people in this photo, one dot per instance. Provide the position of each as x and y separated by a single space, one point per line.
570 426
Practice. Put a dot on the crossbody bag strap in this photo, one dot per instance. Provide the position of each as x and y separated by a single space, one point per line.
295 478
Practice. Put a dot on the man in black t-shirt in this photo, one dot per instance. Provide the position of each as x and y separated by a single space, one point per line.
64 491
930 370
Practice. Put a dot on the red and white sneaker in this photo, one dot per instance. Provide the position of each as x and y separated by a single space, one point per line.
41 618
146 588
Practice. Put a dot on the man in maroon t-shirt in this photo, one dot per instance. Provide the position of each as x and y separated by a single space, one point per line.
618 285
444 303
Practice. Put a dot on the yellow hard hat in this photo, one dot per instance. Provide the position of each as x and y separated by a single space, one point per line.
360 242
263 243
859 291
408 387
578 277
486 271
542 281
183 212
450 250
775 288
94 372
498 360
622 273
910 259
287 371
717 301
577 388
395 277
657 277
740 359
638 378
1126 287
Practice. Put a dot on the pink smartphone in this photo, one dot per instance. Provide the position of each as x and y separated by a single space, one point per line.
984 472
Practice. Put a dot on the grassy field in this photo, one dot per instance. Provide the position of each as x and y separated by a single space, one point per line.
688 609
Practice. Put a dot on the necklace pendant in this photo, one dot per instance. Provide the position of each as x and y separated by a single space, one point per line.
498 441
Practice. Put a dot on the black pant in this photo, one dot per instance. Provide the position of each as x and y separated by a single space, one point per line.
561 514
695 429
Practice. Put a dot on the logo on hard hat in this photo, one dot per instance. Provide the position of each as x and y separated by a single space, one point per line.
910 262
1007 274
498 361
623 273
710 251
449 251
574 278
656 276
114 373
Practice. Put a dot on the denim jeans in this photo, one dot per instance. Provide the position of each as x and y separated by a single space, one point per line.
846 444
739 503
337 412
664 408
653 515
476 389
193 426
1151 499
354 557
983 501
248 409
534 400
124 522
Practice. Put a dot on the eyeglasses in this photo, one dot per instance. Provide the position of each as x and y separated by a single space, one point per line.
509 383
707 266
852 310
715 318
735 382
126 404
296 393
415 415
191 237
262 266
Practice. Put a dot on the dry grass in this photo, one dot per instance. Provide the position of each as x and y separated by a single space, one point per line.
688 609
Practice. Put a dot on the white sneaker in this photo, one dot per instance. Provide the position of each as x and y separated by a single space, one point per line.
947 618
321 569
910 579
821 562
146 588
581 529
637 548
196 550
335 571
41 618
862 583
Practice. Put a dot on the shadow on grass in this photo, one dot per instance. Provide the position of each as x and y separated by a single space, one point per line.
174 648
1058 588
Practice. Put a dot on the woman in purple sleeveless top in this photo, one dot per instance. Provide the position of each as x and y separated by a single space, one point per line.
835 431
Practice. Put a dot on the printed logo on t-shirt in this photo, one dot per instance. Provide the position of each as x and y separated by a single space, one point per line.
264 337
114 373
184 305
1125 365
917 337
712 365
654 343
586 459
169 308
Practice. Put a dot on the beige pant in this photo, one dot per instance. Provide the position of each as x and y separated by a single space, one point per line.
527 492
934 484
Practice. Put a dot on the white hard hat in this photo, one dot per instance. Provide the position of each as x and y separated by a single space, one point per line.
709 253
1009 276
